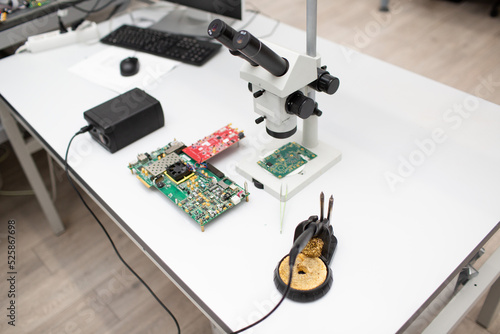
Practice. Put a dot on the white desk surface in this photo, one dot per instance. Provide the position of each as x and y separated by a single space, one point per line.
396 246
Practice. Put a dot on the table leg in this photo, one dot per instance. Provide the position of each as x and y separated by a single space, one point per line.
449 317
29 167
490 306
215 329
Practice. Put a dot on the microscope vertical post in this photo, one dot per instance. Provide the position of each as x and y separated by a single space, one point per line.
310 130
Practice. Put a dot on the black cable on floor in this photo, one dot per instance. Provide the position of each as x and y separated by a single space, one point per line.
83 130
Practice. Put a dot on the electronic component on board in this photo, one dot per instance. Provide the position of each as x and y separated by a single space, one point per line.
199 189
178 171
214 170
286 159
213 144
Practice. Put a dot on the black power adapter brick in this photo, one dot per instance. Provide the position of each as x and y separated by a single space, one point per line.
124 119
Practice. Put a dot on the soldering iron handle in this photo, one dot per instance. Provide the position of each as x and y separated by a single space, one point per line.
301 242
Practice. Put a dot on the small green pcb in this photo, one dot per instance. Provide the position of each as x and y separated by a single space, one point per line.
286 159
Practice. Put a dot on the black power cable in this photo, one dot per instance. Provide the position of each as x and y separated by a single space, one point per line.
66 168
83 130
274 309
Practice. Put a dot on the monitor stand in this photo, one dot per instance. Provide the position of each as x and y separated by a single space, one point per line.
186 21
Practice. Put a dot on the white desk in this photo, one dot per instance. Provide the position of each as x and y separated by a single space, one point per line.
397 247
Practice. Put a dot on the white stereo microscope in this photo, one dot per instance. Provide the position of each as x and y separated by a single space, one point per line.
283 88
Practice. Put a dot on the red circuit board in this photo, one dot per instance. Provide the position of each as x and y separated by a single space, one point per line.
211 145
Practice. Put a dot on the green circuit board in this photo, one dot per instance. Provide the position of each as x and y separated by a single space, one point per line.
286 159
199 189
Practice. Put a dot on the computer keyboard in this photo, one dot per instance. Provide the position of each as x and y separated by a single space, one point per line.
182 48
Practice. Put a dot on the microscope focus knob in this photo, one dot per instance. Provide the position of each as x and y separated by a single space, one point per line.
260 120
317 112
328 84
258 93
325 82
300 105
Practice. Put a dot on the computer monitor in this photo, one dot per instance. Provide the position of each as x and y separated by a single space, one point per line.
194 16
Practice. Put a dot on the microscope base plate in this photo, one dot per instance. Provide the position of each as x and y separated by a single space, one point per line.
288 186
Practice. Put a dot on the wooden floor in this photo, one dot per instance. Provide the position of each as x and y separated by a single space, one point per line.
456 44
74 283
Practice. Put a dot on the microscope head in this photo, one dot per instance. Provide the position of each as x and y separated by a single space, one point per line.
280 99
280 79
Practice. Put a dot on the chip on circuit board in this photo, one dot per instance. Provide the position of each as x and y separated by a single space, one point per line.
286 159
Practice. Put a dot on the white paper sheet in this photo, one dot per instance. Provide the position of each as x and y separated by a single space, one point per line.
103 68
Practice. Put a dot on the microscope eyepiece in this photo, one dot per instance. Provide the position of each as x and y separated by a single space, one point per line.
222 32
254 49
243 40
219 30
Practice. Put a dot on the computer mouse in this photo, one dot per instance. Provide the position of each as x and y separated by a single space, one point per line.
129 66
